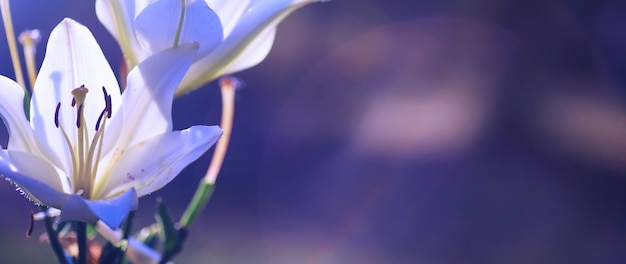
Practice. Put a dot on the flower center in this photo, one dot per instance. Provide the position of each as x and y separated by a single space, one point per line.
85 154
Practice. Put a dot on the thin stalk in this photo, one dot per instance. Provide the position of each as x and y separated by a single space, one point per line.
81 239
29 40
228 85
5 8
54 239
181 20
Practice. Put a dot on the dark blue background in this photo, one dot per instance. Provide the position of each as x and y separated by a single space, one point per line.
402 131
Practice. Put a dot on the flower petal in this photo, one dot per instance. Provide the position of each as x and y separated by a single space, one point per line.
246 46
149 93
111 211
73 58
229 12
151 164
12 110
37 168
118 18
36 179
158 26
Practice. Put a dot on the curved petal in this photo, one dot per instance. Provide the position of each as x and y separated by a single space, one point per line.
111 211
118 17
229 12
38 184
158 26
257 23
39 169
73 58
12 110
149 93
150 165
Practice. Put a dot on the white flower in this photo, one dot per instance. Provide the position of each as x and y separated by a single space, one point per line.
88 149
233 35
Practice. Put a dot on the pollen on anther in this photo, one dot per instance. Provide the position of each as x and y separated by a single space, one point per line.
56 115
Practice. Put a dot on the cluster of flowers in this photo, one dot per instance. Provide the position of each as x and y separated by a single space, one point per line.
88 147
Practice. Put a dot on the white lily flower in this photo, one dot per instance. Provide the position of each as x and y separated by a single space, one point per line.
88 149
233 34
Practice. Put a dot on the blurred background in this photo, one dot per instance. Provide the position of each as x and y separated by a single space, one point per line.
401 131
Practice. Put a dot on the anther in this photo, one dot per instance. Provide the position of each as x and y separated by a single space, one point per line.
108 107
56 115
107 102
78 115
31 225
100 119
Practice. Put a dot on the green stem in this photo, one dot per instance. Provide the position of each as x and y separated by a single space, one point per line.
197 204
81 239
54 239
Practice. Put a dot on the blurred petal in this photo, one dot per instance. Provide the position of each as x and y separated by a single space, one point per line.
112 211
12 110
158 24
73 58
229 12
118 17
149 93
150 165
246 46
38 190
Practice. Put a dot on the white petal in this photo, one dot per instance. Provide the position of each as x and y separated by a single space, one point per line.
118 17
73 58
41 183
150 165
149 94
12 110
39 169
229 12
252 36
111 211
158 24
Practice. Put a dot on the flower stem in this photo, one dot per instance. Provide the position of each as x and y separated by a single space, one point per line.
206 186
81 239
197 204
54 239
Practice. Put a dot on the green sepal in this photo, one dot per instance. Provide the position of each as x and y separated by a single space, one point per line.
168 234
27 105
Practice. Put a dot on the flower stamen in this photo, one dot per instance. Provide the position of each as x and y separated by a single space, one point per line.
85 154
56 115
